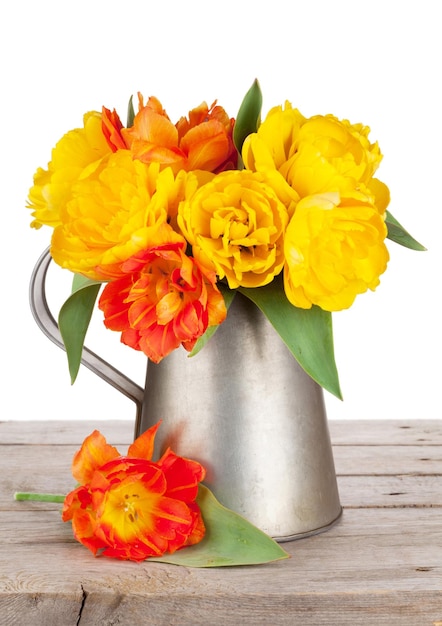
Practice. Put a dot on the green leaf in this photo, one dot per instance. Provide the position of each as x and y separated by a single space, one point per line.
228 294
74 318
130 113
229 540
80 282
308 333
398 234
248 118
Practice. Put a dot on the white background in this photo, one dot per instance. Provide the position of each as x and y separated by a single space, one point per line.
378 63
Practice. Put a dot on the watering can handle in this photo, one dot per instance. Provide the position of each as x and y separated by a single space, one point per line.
47 323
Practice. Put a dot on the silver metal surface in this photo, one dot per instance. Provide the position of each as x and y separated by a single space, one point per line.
250 414
245 409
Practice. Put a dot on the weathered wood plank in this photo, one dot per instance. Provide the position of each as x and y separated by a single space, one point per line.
343 432
388 459
349 460
19 608
107 608
324 563
64 432
382 608
390 491
355 492
47 469
38 524
387 432
362 567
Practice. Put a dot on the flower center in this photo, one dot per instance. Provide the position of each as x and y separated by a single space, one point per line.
129 506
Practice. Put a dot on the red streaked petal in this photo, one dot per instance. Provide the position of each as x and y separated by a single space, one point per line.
111 125
84 529
76 499
158 341
199 529
182 475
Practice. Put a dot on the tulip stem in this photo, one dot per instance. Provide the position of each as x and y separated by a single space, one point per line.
39 497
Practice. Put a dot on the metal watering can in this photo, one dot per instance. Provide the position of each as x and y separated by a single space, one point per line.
242 407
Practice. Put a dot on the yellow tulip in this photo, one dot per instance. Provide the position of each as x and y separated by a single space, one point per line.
314 155
77 153
235 224
111 212
334 250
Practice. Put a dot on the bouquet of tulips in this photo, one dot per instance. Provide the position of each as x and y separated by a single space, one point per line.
169 220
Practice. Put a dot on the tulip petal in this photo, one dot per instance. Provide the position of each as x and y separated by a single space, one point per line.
131 507
94 453
143 446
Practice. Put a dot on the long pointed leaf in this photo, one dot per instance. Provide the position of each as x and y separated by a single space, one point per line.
74 318
398 234
229 540
248 118
308 333
130 113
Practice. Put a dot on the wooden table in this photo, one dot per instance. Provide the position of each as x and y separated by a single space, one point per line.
381 564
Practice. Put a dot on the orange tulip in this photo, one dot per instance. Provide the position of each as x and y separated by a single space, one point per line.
204 141
164 300
130 507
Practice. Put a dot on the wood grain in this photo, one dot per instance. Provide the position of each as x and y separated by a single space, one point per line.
380 565
359 432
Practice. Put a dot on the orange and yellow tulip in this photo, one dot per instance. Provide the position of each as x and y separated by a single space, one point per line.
164 300
130 507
